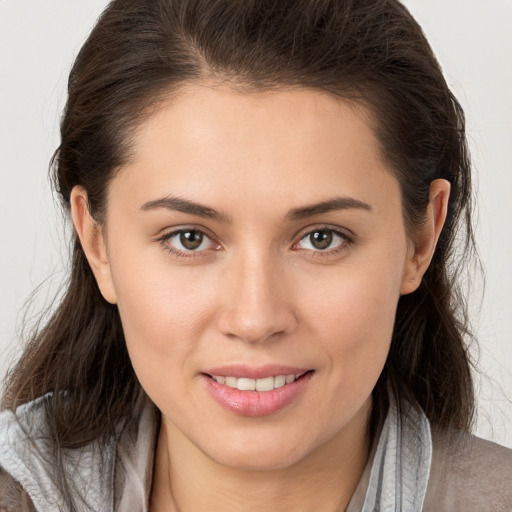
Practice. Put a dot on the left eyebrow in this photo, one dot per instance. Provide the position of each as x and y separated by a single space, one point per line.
337 203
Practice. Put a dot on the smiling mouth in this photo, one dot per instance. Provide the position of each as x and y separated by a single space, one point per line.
265 384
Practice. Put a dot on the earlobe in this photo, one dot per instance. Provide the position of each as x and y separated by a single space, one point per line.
423 246
92 238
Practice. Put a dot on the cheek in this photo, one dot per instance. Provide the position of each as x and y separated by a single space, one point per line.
163 312
357 326
352 312
357 301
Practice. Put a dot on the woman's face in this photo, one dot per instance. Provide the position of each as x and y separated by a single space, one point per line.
255 237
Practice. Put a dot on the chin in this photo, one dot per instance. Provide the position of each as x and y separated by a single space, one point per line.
250 456
244 462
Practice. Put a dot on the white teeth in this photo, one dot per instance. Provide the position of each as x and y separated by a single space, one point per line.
266 384
246 384
279 381
232 382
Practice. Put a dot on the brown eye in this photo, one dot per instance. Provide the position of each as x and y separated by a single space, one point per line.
188 242
321 239
191 240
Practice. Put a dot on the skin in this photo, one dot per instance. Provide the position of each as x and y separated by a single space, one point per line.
258 291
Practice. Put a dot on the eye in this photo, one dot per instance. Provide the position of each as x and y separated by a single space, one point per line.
187 241
324 239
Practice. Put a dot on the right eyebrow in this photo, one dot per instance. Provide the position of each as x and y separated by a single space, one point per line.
179 204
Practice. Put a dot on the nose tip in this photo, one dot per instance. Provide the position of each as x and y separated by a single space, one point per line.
257 308
254 326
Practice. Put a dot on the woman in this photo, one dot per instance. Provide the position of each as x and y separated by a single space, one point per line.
260 313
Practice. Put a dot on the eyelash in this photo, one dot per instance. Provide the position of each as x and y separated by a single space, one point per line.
164 240
346 241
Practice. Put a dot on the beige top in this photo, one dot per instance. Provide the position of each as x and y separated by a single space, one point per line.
467 474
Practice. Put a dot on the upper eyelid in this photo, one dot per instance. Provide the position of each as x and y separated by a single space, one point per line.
167 233
344 232
336 231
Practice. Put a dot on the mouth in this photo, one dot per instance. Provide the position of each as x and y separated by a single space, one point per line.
256 393
264 384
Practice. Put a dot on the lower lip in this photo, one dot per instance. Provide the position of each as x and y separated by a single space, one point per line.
256 403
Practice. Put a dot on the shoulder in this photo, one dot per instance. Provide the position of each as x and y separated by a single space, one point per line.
23 452
468 474
34 465
12 496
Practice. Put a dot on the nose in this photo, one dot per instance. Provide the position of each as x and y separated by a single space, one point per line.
256 305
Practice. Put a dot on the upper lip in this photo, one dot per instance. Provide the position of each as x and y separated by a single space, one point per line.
255 372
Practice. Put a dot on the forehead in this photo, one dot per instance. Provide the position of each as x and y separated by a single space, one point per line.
287 144
204 114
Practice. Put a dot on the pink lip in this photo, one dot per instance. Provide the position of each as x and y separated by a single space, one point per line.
251 372
256 403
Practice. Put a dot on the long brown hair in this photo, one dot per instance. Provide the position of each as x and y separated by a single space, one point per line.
368 51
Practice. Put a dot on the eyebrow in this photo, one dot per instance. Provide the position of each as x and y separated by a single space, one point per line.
183 205
337 203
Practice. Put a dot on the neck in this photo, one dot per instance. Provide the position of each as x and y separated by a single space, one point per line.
186 479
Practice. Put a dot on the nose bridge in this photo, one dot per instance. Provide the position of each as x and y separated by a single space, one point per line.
257 305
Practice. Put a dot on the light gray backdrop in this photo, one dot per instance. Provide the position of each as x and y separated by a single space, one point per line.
38 41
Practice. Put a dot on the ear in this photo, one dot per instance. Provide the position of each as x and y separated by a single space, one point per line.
93 242
424 244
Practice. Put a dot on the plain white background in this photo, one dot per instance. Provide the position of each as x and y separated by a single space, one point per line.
38 41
